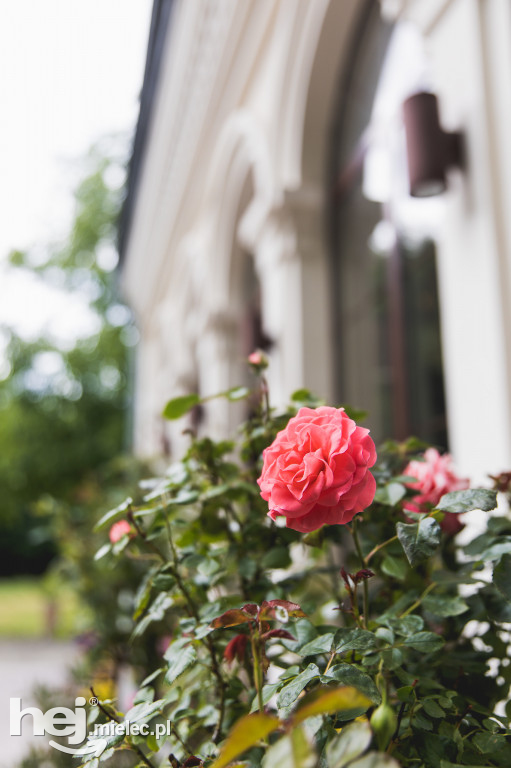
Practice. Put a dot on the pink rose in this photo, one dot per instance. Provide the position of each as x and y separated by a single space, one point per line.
120 529
435 476
316 470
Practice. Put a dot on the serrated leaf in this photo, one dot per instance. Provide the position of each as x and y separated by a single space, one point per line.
327 702
350 675
349 744
502 576
419 540
444 606
321 644
466 501
180 655
143 712
293 689
426 642
247 732
179 406
353 640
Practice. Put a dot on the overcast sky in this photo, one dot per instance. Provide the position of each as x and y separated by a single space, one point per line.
70 73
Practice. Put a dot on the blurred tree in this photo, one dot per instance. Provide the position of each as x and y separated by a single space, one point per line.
63 400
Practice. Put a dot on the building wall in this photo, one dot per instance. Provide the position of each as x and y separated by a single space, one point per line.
233 181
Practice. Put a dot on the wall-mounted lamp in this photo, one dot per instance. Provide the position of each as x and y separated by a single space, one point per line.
430 149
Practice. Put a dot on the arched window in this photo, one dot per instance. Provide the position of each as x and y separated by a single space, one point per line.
385 300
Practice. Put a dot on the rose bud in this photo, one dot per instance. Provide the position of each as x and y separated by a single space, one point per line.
120 529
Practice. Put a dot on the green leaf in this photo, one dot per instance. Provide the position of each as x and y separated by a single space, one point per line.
348 674
321 702
292 690
391 494
179 406
432 708
151 677
278 557
156 612
349 744
144 693
419 540
180 655
466 501
143 712
113 513
294 750
502 576
321 644
300 394
247 732
143 595
237 393
102 551
394 567
444 606
268 691
489 742
426 642
354 640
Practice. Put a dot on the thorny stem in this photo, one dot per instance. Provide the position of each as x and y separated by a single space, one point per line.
115 719
419 600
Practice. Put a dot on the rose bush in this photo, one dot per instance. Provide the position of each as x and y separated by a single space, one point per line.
372 642
316 471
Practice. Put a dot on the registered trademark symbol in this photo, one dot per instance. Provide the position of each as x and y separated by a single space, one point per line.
93 701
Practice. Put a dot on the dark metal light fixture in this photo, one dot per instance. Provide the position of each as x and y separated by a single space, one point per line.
430 149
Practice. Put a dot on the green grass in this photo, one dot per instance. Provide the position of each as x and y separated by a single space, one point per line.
25 607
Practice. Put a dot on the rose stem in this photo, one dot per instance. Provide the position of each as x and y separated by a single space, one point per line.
378 547
419 600
363 560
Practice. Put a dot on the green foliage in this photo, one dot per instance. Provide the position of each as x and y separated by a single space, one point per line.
62 409
352 646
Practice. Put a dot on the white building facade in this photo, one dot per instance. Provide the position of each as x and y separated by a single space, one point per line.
271 208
